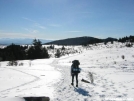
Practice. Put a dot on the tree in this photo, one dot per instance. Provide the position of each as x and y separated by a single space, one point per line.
13 52
105 42
112 42
52 47
37 43
30 53
63 48
58 53
45 53
36 51
16 52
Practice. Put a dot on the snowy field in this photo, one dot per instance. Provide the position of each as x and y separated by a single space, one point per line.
113 76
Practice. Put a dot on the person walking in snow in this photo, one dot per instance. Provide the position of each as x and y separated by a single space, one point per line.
75 70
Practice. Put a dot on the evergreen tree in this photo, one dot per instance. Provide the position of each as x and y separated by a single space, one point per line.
36 51
58 53
63 48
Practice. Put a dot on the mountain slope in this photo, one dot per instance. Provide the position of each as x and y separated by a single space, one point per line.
79 41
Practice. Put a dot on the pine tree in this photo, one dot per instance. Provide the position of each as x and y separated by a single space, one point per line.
36 51
58 53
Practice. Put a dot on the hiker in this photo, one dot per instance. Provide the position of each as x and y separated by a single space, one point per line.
74 71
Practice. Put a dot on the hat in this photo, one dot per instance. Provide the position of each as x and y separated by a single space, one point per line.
76 62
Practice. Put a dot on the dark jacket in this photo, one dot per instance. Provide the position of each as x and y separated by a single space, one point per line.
75 69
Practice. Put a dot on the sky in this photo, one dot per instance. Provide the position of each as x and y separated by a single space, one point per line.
61 19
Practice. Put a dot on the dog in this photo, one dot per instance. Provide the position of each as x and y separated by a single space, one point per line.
91 77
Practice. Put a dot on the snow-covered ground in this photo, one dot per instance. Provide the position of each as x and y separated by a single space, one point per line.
36 79
113 76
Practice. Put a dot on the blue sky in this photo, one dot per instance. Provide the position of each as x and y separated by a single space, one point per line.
60 19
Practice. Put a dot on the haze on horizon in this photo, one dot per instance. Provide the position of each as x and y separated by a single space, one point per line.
61 19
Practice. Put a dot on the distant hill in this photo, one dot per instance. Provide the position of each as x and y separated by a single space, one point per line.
110 39
80 41
69 41
19 41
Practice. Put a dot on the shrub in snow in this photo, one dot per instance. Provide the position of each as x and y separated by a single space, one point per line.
15 63
21 64
58 54
12 63
51 47
114 62
63 48
112 42
129 45
105 43
123 57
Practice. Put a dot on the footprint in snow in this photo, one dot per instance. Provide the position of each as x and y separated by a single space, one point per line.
103 91
4 97
64 88
107 88
102 96
124 95
116 91
119 96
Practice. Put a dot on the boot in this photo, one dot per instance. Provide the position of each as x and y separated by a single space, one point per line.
72 84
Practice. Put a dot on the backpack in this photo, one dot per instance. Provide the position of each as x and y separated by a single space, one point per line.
75 66
76 70
76 62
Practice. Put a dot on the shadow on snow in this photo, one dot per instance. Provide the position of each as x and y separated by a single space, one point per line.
82 91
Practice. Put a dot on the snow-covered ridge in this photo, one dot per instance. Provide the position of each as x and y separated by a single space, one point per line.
112 66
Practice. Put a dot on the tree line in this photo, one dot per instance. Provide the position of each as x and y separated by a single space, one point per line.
126 39
18 52
96 40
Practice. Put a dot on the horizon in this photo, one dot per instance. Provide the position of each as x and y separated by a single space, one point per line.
22 41
62 19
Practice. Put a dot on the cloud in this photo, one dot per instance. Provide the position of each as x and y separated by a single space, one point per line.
31 30
28 19
23 35
35 31
73 31
16 35
39 26
35 23
85 12
55 25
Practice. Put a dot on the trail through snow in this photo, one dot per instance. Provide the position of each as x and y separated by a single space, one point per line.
52 78
108 83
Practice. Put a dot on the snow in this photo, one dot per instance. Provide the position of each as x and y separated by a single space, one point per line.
23 81
113 76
